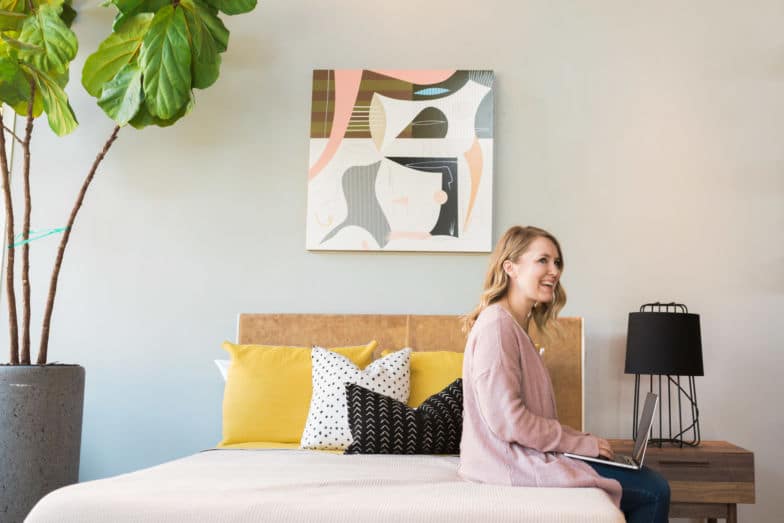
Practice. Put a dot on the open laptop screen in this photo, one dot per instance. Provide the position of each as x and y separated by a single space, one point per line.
644 427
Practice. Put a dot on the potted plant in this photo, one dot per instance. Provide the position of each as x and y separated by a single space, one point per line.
142 74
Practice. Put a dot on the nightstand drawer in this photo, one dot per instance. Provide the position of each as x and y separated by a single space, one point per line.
695 475
694 466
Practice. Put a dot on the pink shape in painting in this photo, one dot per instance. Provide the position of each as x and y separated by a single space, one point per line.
474 158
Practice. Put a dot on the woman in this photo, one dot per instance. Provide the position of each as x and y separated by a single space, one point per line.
511 434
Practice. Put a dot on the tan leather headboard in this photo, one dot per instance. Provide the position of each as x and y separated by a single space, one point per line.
563 356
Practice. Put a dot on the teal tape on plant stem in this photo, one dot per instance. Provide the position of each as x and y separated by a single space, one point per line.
36 235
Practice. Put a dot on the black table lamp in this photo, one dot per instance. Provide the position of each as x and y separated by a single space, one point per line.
663 339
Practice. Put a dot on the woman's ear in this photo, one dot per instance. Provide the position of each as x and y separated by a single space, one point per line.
508 267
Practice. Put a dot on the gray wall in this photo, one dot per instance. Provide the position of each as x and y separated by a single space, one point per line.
646 137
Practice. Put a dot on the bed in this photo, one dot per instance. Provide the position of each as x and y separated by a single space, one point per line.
262 481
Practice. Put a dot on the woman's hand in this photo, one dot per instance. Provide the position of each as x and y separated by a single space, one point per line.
605 450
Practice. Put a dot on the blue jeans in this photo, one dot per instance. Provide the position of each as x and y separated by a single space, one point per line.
646 494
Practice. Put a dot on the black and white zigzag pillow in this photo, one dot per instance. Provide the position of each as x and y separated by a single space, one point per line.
382 425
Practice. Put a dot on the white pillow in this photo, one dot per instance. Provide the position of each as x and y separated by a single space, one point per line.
327 425
223 367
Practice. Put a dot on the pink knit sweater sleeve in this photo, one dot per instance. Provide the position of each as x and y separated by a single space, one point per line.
497 375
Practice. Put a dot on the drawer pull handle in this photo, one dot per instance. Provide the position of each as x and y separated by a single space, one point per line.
699 463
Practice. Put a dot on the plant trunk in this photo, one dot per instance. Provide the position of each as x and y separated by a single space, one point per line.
13 326
24 358
42 352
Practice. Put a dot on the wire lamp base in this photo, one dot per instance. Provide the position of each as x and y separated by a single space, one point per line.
683 399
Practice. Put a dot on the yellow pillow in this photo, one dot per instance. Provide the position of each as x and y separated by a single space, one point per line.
431 372
268 389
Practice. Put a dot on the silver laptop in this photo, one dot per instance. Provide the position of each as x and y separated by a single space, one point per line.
640 444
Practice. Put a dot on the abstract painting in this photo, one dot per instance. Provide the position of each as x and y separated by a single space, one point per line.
401 160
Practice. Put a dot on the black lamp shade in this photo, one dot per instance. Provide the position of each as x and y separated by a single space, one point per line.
664 343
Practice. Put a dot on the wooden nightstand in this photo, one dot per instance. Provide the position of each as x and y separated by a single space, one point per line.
706 481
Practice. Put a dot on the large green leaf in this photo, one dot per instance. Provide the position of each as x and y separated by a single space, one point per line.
47 30
14 86
122 96
206 61
143 118
209 17
166 63
59 113
114 53
233 7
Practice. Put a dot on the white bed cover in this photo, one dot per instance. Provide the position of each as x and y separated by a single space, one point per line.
239 486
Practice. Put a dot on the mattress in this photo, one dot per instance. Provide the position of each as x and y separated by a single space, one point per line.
293 485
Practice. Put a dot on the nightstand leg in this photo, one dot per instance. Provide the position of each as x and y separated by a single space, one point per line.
732 513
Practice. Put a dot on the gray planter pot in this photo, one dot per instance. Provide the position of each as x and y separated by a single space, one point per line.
40 434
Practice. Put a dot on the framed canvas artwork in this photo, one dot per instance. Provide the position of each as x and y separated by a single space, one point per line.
401 160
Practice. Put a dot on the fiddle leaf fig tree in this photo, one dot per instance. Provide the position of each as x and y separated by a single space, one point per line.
143 73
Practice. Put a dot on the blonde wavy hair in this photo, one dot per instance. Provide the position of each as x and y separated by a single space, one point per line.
511 246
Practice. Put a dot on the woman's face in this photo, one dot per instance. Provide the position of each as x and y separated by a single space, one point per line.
535 273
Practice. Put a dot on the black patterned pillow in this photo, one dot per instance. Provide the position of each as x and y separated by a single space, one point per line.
382 425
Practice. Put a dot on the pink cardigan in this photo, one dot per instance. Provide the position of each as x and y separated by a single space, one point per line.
511 432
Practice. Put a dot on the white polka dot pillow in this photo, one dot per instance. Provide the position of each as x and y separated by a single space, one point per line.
327 426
